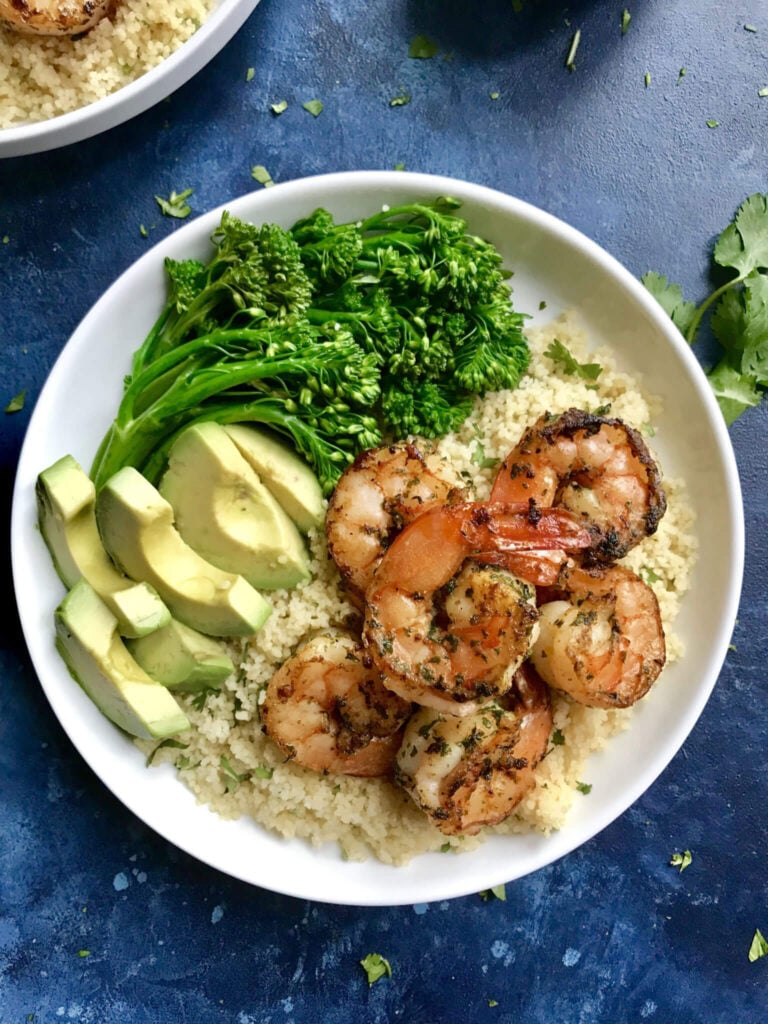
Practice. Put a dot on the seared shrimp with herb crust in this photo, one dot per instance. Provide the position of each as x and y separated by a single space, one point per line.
445 631
469 772
327 709
598 468
380 493
603 641
54 17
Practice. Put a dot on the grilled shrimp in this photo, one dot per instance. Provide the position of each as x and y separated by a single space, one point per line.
380 493
327 710
449 635
473 771
54 17
598 468
603 642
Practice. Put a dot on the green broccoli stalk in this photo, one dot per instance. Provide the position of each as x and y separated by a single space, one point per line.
322 379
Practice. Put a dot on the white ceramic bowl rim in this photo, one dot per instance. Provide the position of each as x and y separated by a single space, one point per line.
438 880
135 97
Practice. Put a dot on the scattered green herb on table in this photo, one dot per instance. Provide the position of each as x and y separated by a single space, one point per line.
279 108
375 967
401 100
681 860
176 205
738 309
261 174
759 946
626 18
422 48
328 333
496 892
570 60
313 107
16 404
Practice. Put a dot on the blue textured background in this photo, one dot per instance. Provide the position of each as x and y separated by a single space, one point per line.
611 933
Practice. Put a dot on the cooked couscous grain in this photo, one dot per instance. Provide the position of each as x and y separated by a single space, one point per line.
372 817
44 76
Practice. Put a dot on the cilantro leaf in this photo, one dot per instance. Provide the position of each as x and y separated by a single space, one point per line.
176 204
558 738
744 243
759 947
670 298
278 108
734 391
314 107
584 787
422 48
375 967
559 354
681 860
481 459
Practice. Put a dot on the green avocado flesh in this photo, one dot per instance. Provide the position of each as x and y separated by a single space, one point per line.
182 658
284 473
87 639
226 514
66 500
137 527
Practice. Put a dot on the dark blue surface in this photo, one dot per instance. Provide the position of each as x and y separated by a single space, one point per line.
611 933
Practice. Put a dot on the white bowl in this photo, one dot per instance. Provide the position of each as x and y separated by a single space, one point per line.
551 261
225 19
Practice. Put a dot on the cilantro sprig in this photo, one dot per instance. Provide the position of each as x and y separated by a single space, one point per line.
737 310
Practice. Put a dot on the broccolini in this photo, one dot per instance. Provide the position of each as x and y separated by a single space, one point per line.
334 335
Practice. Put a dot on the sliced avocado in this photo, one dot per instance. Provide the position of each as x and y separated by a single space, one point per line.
182 659
224 512
136 526
284 473
87 638
66 500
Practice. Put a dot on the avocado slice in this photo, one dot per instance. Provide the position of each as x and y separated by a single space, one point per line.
66 501
182 659
88 640
284 473
137 528
227 515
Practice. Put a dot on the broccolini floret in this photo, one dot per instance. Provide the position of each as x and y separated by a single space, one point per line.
331 334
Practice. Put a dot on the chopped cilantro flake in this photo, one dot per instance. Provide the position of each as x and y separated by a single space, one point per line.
263 772
584 787
176 204
647 79
626 17
681 860
558 739
497 892
422 48
560 355
279 107
400 101
6 239
759 947
681 75
169 742
750 28
375 967
712 123
143 231
231 778
16 404
313 107
261 174
399 167
479 458
570 60
83 953
647 575
493 95
763 91
249 74
493 1002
